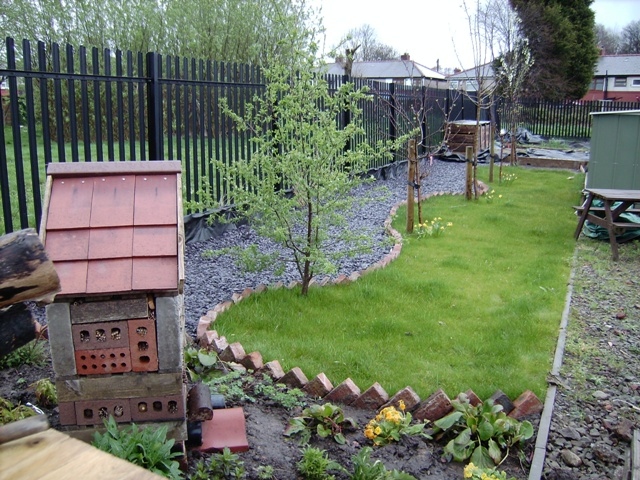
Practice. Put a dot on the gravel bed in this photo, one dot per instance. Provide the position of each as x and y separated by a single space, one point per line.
209 281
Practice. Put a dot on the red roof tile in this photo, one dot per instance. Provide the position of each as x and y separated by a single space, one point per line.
113 227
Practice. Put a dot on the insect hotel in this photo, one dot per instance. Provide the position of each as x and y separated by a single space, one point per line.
114 233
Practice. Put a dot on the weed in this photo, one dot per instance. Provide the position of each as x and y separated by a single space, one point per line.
232 385
33 353
279 393
146 447
11 413
366 469
315 465
221 466
199 363
482 432
265 472
325 420
45 392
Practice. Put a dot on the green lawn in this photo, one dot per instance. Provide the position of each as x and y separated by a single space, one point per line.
478 307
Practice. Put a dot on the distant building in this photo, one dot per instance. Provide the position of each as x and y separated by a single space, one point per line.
403 71
467 80
617 78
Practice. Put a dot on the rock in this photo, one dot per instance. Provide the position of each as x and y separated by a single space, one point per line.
600 395
570 433
571 459
624 430
604 453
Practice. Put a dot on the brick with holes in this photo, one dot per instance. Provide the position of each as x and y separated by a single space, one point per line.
148 409
143 345
100 362
101 335
93 412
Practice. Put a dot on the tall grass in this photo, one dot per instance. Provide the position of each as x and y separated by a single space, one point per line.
478 307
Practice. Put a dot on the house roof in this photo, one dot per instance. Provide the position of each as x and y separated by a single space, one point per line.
618 65
114 227
387 69
484 71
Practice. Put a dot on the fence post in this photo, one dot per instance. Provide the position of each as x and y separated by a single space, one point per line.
392 115
346 116
411 177
154 108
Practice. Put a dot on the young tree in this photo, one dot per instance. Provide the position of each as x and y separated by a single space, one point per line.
295 185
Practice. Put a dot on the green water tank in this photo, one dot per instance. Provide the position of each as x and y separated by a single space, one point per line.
614 161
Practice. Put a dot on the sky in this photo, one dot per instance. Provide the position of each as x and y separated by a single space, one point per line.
432 30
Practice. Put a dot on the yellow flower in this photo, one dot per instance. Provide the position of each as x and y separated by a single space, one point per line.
468 470
369 433
499 196
401 405
449 224
377 431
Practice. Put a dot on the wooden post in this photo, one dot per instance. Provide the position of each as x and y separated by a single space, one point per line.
469 180
410 181
492 151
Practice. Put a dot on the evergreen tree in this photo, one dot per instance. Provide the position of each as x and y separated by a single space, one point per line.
561 35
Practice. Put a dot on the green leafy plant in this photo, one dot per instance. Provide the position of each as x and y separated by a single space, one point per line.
33 353
433 228
366 469
225 465
199 362
491 195
390 423
279 393
11 413
315 465
45 392
265 472
481 432
479 473
146 447
233 385
326 420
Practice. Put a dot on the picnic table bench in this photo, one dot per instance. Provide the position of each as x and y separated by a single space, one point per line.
626 200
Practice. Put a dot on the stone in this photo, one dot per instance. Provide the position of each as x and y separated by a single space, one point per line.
434 408
236 297
319 387
169 330
526 404
570 433
372 398
354 276
501 398
345 393
600 395
61 339
274 369
604 453
624 430
295 378
407 395
233 353
571 459
252 361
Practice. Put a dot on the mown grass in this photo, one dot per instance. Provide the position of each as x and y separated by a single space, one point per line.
478 307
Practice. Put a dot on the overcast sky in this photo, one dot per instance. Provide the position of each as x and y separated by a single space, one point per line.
432 30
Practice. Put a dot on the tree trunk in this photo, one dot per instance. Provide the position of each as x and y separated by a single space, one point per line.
26 273
17 328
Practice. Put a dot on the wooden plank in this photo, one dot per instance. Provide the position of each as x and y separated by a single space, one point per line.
54 455
635 455
113 168
128 385
28 426
104 311
181 240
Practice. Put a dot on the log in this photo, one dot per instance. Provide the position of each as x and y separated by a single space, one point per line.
199 403
17 328
23 428
26 272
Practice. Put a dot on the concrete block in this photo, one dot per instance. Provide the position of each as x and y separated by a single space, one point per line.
143 345
319 387
372 398
295 378
526 404
233 353
61 339
434 408
170 330
408 396
345 393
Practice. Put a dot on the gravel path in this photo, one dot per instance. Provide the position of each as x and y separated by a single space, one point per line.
210 281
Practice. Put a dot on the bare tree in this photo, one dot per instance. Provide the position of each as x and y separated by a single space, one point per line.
631 38
364 40
608 40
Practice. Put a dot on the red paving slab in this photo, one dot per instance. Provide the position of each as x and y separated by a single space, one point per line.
156 201
110 243
112 204
67 244
155 241
108 276
70 204
227 428
156 273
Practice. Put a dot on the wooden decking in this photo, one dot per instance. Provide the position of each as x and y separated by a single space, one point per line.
52 455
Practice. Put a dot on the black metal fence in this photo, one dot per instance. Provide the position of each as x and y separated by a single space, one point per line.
67 104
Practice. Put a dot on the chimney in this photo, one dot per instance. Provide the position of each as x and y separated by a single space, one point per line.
456 70
405 57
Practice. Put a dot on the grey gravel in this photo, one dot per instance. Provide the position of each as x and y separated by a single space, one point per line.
209 281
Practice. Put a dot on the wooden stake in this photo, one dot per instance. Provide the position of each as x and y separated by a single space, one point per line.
469 180
410 182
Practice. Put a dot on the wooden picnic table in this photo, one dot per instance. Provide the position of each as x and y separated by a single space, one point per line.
626 200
